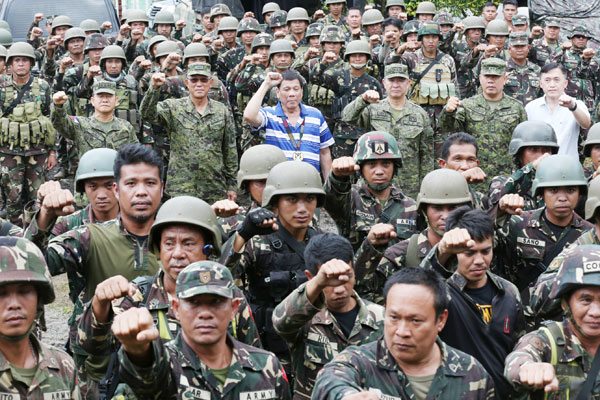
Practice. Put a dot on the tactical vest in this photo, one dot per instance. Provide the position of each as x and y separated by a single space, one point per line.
83 107
26 126
435 87
320 96
127 104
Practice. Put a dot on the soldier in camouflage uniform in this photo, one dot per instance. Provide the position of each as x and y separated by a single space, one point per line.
379 370
407 122
466 54
531 141
28 137
446 22
132 37
74 45
555 360
30 369
313 33
278 24
201 132
496 36
490 116
544 48
336 16
204 292
374 200
298 20
523 76
325 315
591 149
228 63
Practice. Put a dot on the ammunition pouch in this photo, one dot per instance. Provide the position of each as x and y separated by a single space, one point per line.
435 86
320 96
129 115
27 134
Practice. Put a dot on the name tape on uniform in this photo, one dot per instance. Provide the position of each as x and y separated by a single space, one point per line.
258 395
531 242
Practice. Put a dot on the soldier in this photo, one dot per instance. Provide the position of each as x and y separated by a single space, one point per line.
229 64
267 11
528 242
28 137
195 121
591 149
489 12
557 358
278 24
166 59
392 39
509 9
544 48
531 142
473 115
204 292
425 11
217 13
336 16
313 33
30 368
90 26
466 54
496 35
372 22
131 35
357 208
520 24
102 129
523 76
410 358
195 53
407 122
396 9
74 55
354 20
164 24
227 33
54 47
297 20
442 191
325 315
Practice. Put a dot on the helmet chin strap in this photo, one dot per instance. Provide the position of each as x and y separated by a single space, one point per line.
358 66
569 315
18 338
435 230
379 187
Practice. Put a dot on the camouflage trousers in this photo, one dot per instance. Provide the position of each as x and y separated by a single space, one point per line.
21 178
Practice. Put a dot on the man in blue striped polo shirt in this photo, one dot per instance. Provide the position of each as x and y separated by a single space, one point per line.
297 129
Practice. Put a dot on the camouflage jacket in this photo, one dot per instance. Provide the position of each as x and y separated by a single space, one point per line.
65 223
90 133
315 337
202 145
572 364
518 183
178 373
523 82
491 126
541 51
412 129
583 75
328 20
125 82
229 61
466 61
69 83
371 367
355 210
54 377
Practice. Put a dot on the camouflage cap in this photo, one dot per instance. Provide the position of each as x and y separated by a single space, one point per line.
580 30
518 39
552 21
396 71
579 266
204 277
519 19
199 69
103 86
493 66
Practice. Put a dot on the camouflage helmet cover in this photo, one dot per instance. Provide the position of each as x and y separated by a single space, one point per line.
248 25
429 28
579 267
444 18
95 41
261 40
278 19
377 145
332 33
314 29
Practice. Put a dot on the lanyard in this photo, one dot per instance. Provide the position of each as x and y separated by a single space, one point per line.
295 143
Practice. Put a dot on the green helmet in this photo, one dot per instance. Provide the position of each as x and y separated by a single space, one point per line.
314 29
391 3
219 9
95 163
429 28
95 41
377 145
444 186
248 25
333 34
473 22
261 40
298 14
164 17
444 18
154 41
20 49
112 51
279 18
559 170
73 33
357 47
195 50
327 2
21 261
136 15
411 26
270 7
4 25
593 137
61 20
90 25
167 47
593 198
257 161
293 177
579 266
228 23
281 46
496 27
6 38
186 210
372 17
205 277
426 7
532 133
3 52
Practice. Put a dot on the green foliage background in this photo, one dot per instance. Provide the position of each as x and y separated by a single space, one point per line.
458 8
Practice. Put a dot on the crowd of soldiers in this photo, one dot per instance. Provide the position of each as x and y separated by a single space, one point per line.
183 182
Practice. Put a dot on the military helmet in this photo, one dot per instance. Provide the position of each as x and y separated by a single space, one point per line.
228 23
112 51
357 47
391 3
95 41
257 161
136 15
195 50
579 266
164 17
327 2
411 26
377 145
333 34
73 33
95 163
156 40
372 17
6 38
593 199
219 9
61 20
593 137
21 49
21 261
473 22
298 14
532 133
314 29
559 170
3 52
292 177
444 186
270 7
167 47
426 7
4 25
248 25
496 27
261 40
186 210
279 18
444 18
90 25
281 46
429 28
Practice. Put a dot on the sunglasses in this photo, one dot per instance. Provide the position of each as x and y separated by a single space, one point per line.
196 79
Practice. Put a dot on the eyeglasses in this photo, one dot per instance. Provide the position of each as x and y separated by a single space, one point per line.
203 79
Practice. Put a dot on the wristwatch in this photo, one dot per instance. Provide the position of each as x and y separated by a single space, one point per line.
574 107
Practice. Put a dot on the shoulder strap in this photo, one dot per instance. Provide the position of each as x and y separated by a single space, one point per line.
412 252
18 99
431 65
295 245
553 346
588 385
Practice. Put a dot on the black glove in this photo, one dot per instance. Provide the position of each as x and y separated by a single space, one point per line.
251 225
